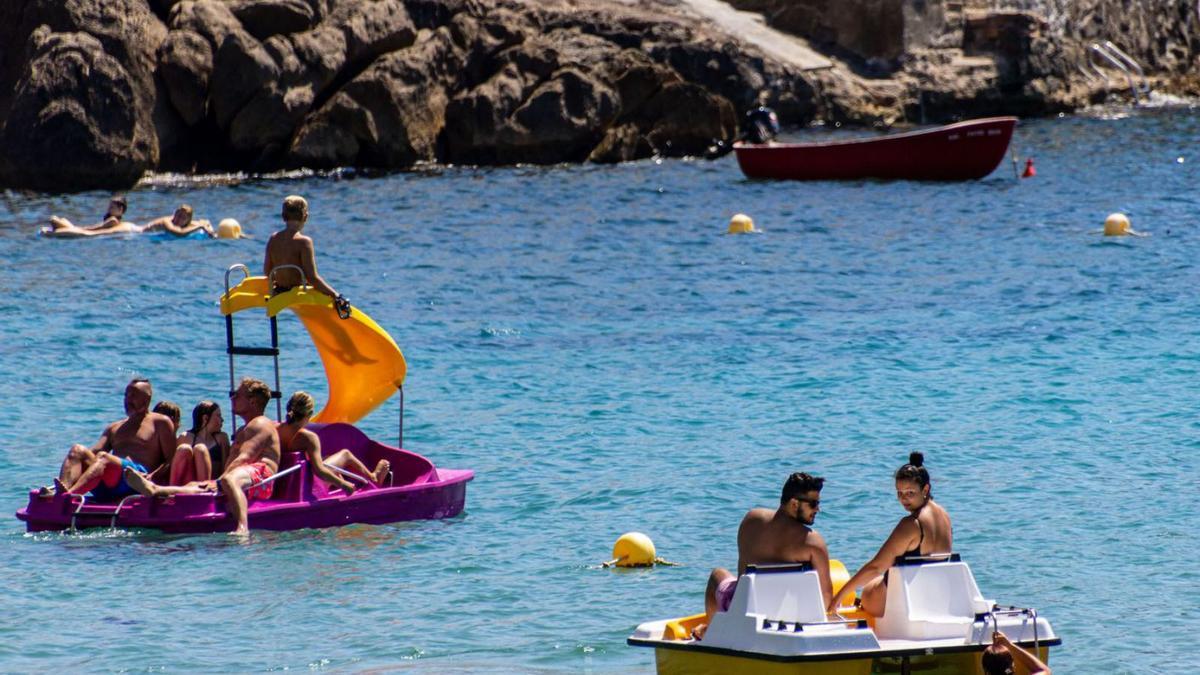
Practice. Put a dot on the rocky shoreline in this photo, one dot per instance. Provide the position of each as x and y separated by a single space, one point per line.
94 93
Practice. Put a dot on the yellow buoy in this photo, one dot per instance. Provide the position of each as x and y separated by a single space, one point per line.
229 229
633 549
1116 225
741 224
838 576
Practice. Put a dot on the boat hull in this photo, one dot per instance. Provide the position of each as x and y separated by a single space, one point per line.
963 151
299 500
671 661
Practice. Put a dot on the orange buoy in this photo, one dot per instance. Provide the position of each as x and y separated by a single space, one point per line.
1029 172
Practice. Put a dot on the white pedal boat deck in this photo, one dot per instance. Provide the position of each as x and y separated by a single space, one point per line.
936 621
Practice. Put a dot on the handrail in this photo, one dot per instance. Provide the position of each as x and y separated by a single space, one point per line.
271 279
1129 61
1097 48
281 474
82 502
120 505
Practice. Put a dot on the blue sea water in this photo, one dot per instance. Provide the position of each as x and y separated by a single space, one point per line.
590 343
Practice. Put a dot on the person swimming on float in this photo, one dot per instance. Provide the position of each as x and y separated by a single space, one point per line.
254 457
179 224
766 536
290 246
293 437
926 530
111 224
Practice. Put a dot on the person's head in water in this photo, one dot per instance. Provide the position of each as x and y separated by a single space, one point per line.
801 497
300 406
295 209
912 483
183 215
997 660
205 416
171 410
116 207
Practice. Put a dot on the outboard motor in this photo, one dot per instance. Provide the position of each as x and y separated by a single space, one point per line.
762 125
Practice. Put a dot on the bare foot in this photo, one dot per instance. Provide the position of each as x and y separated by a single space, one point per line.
59 487
381 471
45 493
699 631
140 485
241 531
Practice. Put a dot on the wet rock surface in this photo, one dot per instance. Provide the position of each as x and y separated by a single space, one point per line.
95 92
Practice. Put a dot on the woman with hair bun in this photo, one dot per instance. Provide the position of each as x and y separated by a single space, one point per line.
924 531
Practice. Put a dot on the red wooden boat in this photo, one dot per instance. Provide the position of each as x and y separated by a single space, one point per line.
962 151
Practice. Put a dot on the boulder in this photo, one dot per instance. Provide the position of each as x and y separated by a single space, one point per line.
72 124
390 115
85 91
185 63
264 18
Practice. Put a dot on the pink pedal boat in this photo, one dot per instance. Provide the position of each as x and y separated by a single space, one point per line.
364 368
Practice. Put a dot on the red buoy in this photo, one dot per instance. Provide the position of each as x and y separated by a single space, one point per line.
1030 172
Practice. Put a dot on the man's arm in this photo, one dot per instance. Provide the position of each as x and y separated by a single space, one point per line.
1033 665
267 258
820 563
308 263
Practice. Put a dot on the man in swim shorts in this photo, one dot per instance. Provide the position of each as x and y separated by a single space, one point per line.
254 457
766 536
142 441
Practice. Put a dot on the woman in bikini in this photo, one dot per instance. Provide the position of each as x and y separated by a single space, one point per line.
201 451
924 531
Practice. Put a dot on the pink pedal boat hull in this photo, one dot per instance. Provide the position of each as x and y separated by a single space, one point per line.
963 151
419 491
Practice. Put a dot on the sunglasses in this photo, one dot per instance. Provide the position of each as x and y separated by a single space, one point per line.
815 503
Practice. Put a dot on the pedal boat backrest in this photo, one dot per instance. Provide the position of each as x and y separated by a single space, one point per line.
788 593
930 597
779 610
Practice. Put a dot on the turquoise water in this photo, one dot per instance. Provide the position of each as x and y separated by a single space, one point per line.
587 340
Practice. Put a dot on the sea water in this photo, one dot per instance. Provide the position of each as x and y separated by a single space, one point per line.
590 343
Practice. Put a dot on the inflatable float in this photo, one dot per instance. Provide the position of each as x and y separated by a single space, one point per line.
936 621
364 368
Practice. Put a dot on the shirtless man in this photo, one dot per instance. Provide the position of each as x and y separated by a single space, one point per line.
180 224
289 247
293 437
766 536
254 456
142 441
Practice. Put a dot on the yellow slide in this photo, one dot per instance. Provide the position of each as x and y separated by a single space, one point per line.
363 365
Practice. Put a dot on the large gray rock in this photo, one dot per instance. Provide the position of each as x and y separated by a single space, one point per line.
84 107
72 124
390 115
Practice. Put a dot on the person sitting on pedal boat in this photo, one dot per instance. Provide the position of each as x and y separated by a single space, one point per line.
782 535
254 457
294 437
201 451
142 440
926 530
